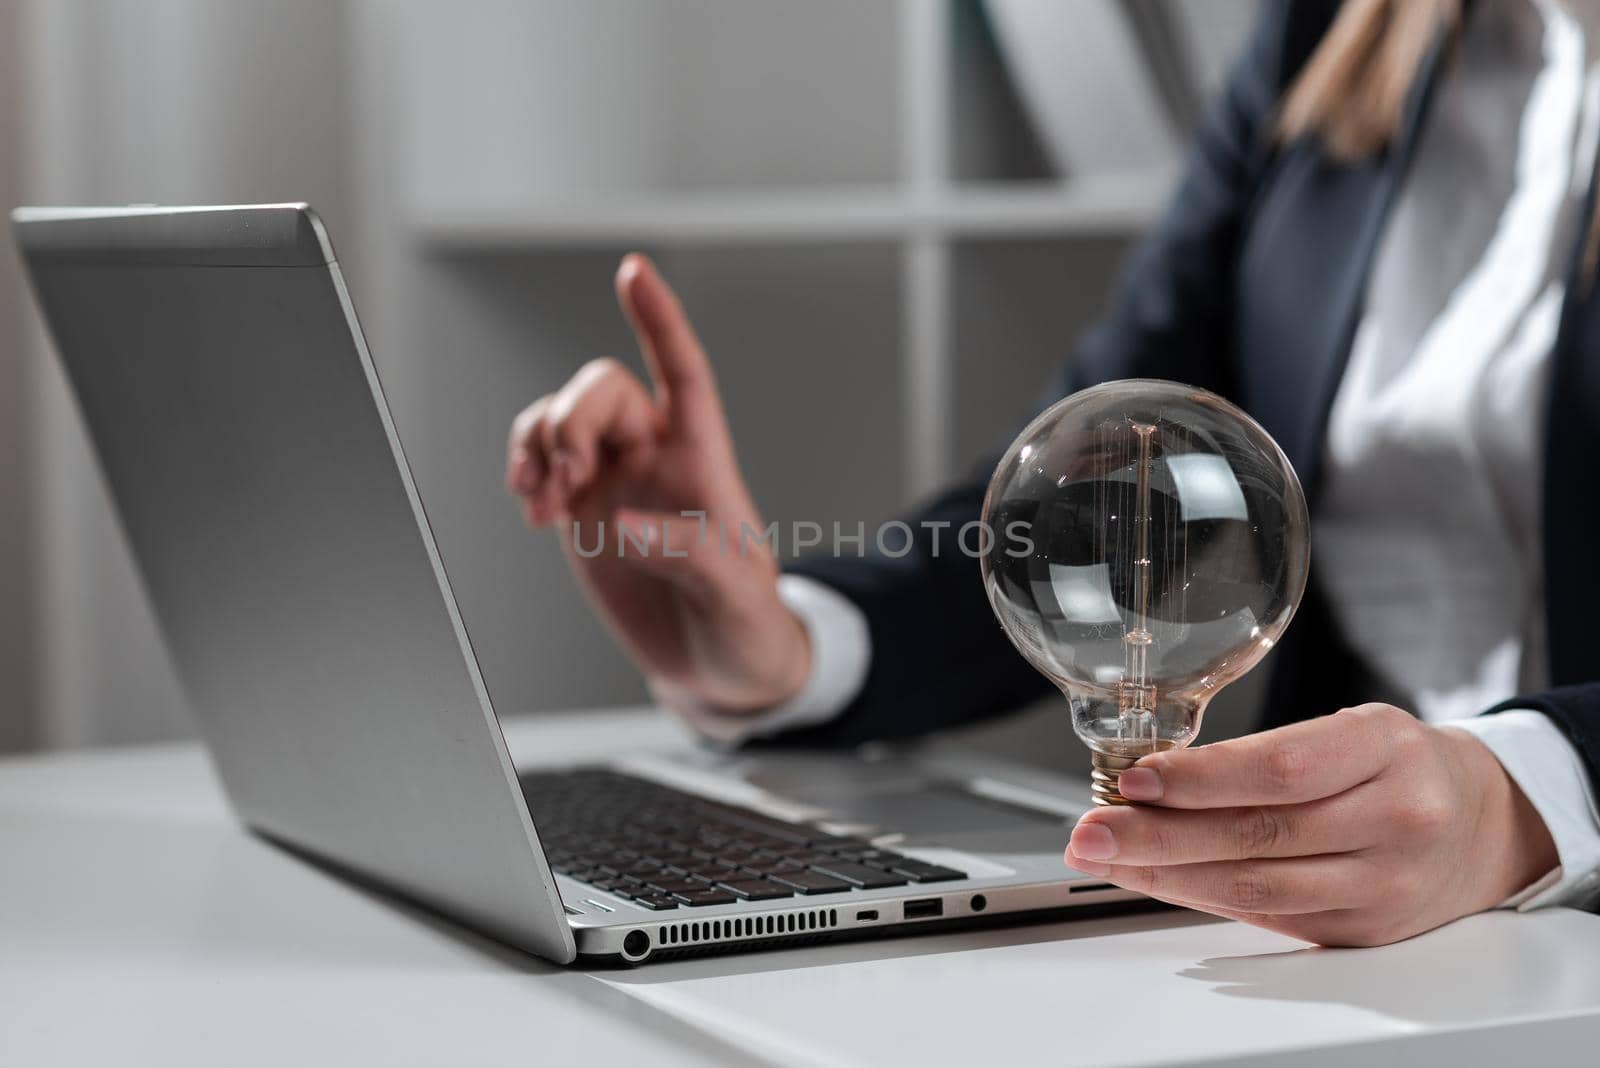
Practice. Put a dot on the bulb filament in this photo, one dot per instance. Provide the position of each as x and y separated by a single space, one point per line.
1136 696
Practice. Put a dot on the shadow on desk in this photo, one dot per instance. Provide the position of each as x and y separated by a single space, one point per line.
1531 965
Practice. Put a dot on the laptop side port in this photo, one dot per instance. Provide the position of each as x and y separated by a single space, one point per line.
923 908
866 914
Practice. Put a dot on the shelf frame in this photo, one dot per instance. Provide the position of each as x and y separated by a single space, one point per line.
1091 205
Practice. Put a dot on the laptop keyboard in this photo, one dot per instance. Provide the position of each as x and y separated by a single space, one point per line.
665 849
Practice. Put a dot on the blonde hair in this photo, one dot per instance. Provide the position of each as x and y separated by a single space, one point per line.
1351 94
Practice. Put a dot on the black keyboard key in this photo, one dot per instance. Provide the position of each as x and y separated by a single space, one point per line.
921 872
641 868
775 843
678 886
878 858
860 875
813 858
709 872
756 889
749 822
655 902
707 896
810 882
832 844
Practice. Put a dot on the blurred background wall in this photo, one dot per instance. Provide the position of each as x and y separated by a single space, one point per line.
889 218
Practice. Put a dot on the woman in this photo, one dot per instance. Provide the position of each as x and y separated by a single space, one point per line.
1383 249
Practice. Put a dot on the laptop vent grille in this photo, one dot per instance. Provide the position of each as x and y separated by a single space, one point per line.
768 925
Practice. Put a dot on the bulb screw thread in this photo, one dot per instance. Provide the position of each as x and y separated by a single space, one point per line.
1103 778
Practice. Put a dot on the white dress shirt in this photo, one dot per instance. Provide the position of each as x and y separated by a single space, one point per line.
1427 531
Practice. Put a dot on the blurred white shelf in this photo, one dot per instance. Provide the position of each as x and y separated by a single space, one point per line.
1098 204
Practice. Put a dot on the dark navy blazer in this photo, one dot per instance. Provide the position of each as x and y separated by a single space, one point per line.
1251 285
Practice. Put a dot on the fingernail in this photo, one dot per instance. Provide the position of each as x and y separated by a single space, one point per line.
1088 867
634 267
1093 841
1141 784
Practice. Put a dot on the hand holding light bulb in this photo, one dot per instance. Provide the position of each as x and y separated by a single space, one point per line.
1359 828
1166 551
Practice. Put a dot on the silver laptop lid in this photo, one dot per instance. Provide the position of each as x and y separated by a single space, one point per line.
240 424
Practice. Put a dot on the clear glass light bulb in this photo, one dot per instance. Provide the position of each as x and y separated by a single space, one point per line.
1148 545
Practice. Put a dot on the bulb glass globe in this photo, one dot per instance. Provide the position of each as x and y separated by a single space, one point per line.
1148 545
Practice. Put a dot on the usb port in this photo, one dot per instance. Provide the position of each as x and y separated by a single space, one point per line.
866 914
924 907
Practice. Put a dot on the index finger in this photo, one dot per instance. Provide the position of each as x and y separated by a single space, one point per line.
677 361
1301 762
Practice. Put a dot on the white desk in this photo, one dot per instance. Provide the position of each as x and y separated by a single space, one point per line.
139 925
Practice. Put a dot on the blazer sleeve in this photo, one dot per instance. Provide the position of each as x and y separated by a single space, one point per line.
939 658
1576 710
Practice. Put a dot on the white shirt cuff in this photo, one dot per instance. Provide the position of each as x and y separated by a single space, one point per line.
1546 767
841 650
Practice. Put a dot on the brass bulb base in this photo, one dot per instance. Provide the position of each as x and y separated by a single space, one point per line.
1103 778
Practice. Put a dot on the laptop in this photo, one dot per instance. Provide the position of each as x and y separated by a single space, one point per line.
241 426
